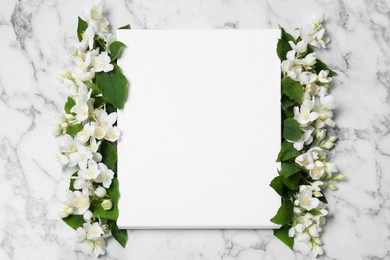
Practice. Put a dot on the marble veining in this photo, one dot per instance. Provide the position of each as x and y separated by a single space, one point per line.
34 36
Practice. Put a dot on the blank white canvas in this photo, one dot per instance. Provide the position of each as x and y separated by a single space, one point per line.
200 130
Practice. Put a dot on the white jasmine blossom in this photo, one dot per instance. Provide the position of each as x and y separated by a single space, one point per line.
318 171
93 148
306 199
90 172
304 114
88 37
307 78
105 176
300 47
94 12
92 234
110 38
102 62
81 110
323 77
82 62
314 34
95 130
80 157
112 134
81 234
330 168
103 119
86 186
83 136
327 102
94 231
98 246
78 201
60 125
308 61
306 139
306 160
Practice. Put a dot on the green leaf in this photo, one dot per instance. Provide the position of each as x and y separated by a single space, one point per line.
289 169
110 108
282 235
69 104
277 185
284 214
315 212
282 48
287 102
116 49
293 181
292 89
99 102
100 43
74 221
323 199
95 90
113 85
109 154
71 182
120 235
288 113
81 27
125 27
291 129
113 213
286 36
287 152
322 66
72 130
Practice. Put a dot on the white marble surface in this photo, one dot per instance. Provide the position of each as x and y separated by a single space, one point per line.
33 36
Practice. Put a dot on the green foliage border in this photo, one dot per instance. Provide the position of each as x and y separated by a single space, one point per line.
291 175
109 90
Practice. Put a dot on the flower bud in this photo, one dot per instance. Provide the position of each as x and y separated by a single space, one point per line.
323 116
63 213
87 215
105 228
320 134
332 139
100 192
69 210
317 194
339 177
332 187
327 145
106 204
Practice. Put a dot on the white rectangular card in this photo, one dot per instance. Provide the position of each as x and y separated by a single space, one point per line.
201 129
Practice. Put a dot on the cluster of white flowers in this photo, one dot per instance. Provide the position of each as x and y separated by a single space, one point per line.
80 150
314 116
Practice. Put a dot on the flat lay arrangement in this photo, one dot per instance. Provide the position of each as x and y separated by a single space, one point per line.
232 130
97 88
